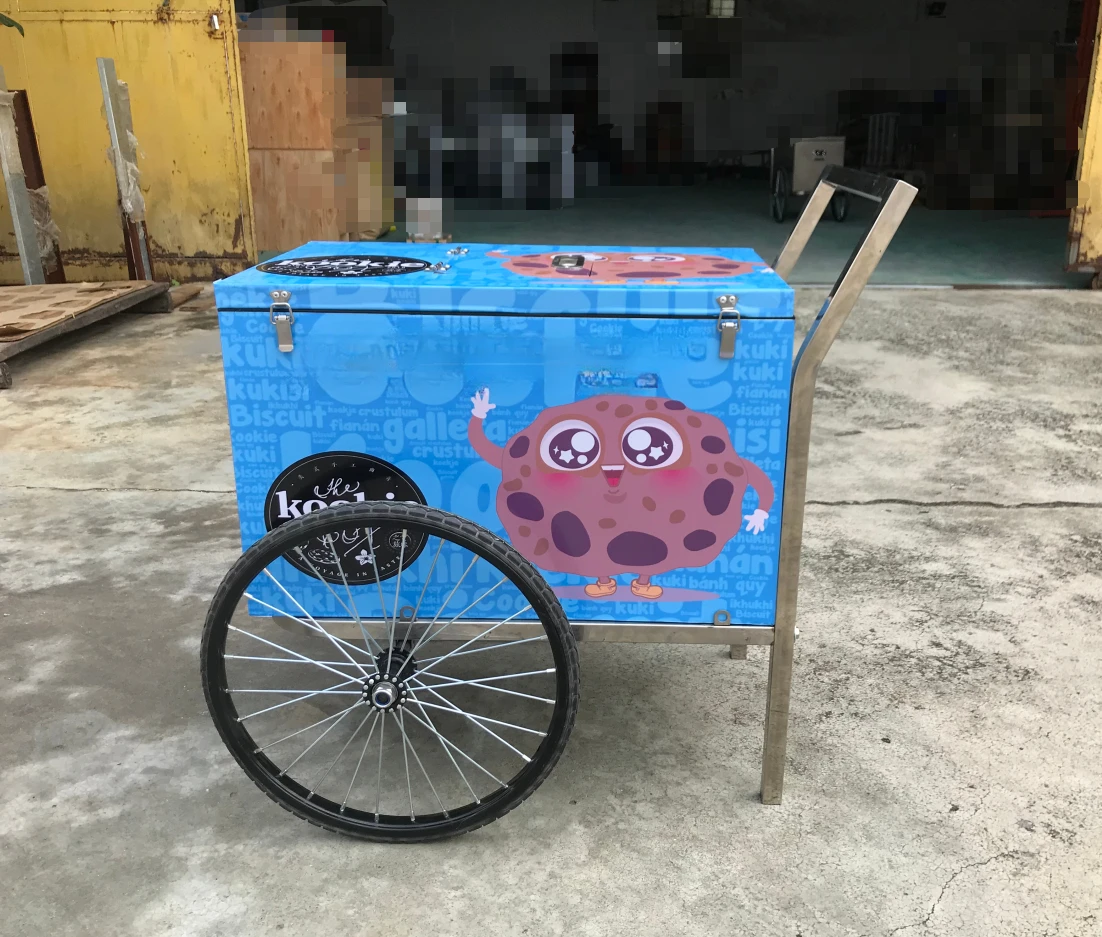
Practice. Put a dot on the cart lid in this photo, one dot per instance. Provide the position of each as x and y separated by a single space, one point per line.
511 278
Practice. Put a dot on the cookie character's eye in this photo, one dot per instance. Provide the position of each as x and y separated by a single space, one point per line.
657 258
570 445
651 443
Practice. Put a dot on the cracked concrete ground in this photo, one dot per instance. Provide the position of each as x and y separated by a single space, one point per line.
945 748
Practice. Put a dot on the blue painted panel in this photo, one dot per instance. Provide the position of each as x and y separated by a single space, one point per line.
407 388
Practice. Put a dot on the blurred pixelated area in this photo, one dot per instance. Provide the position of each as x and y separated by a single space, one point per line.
375 118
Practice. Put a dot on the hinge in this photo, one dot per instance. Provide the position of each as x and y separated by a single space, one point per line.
283 318
728 328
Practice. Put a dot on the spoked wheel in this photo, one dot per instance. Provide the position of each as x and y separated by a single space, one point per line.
390 671
839 206
779 203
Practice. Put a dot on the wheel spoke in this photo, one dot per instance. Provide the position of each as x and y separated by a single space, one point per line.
424 588
310 627
497 722
464 612
378 580
394 616
476 638
286 650
300 731
307 692
455 709
444 604
504 676
379 776
288 660
483 686
444 740
408 741
302 608
355 774
481 650
447 751
333 764
325 582
289 702
405 758
368 641
318 739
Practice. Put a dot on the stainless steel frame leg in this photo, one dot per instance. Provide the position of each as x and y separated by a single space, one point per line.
894 198
738 652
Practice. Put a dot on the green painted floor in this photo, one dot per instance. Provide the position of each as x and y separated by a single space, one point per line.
932 247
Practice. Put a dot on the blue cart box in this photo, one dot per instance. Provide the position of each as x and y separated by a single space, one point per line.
618 414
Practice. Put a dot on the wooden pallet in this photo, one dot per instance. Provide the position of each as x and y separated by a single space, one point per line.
31 315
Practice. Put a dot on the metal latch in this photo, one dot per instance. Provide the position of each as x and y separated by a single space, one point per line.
568 261
728 328
458 250
440 267
282 317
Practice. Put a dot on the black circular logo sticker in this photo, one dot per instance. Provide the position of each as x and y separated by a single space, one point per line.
352 265
330 479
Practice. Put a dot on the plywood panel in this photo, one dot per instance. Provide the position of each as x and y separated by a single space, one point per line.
294 197
294 93
365 178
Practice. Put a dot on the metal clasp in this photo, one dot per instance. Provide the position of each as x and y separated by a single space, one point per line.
282 319
728 328
458 250
440 267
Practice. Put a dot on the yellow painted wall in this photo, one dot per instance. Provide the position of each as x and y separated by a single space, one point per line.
185 92
1085 235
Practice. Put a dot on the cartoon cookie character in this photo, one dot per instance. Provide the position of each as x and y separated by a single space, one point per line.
621 268
618 484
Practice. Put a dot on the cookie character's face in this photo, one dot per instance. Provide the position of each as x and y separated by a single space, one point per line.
626 268
621 484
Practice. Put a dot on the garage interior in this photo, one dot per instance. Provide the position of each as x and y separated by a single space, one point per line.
652 121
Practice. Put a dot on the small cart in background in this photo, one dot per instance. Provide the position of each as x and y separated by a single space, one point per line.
795 168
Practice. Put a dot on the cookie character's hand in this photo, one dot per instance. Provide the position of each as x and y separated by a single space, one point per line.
756 522
481 405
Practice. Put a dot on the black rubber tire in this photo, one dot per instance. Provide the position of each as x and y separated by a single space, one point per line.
779 196
839 206
439 523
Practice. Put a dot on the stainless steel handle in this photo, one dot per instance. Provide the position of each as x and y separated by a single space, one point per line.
894 197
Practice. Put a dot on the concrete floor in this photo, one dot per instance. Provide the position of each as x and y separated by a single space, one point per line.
946 735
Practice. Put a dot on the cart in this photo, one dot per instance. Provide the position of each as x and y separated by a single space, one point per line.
453 463
795 168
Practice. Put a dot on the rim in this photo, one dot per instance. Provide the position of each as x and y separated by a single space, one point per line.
422 705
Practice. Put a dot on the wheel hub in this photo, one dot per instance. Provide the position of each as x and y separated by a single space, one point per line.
384 695
387 689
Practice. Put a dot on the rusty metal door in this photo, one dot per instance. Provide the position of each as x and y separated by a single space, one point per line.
180 60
